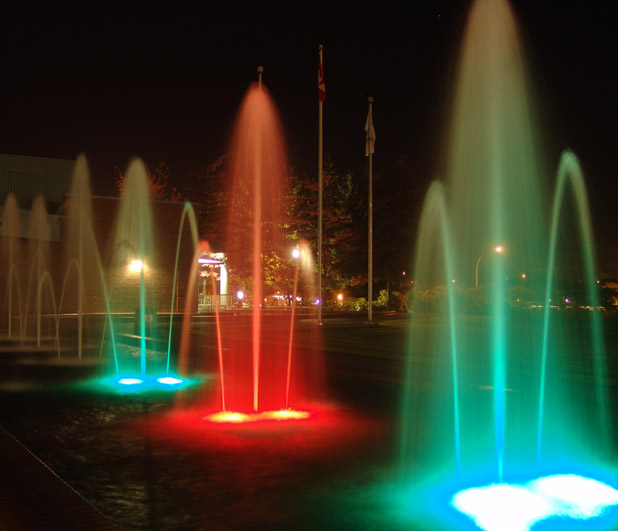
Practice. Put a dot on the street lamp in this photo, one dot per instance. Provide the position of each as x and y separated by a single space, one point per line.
498 249
136 266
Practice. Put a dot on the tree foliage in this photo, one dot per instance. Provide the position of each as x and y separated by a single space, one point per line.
397 199
212 199
398 195
341 237
158 177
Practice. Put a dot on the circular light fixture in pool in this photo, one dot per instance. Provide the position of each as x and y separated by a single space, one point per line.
169 380
286 414
130 381
229 416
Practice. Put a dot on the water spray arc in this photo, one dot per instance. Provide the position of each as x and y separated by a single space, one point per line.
511 402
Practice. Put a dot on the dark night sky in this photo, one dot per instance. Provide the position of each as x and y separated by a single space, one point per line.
166 82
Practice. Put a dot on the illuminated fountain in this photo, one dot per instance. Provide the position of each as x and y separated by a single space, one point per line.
133 286
80 304
518 404
10 250
259 376
84 279
40 294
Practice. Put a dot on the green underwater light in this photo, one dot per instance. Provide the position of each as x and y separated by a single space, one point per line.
505 507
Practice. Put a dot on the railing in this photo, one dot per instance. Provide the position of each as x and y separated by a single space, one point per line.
206 302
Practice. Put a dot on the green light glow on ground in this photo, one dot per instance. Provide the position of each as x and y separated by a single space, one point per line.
505 507
148 384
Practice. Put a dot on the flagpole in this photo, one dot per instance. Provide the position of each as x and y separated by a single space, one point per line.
320 175
370 236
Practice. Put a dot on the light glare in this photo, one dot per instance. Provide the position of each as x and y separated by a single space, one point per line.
234 417
169 380
136 266
129 381
284 414
576 496
504 507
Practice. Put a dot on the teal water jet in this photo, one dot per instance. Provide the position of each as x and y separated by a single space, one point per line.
434 241
187 213
488 398
134 254
569 173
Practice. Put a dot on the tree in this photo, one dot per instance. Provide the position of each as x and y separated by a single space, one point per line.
397 200
341 233
158 178
212 201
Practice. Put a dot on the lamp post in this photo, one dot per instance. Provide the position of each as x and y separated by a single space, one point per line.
498 249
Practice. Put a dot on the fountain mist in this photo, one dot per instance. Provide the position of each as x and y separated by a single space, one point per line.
497 341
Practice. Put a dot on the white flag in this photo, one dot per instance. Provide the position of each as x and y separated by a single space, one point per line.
371 134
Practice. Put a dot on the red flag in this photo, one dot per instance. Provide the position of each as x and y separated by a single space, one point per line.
321 86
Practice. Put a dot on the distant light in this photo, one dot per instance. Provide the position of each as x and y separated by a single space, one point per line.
499 249
318 302
523 275
453 281
403 273
129 381
296 253
240 294
136 266
340 297
168 380
567 300
210 261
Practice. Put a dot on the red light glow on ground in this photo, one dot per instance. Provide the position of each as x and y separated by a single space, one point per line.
235 417
312 432
232 417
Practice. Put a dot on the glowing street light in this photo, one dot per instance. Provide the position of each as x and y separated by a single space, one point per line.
296 253
497 249
136 266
